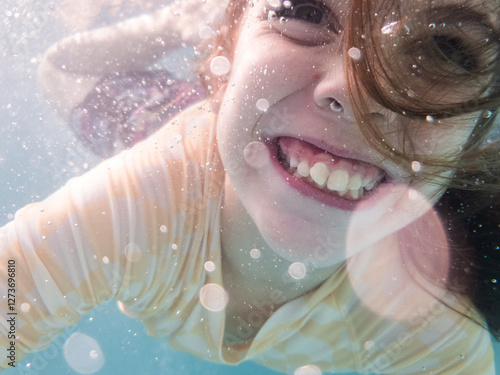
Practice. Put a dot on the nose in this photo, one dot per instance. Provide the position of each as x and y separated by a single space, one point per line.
331 94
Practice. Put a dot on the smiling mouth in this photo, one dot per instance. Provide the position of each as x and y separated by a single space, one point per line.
348 179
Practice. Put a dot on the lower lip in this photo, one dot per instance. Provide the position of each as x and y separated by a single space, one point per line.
307 190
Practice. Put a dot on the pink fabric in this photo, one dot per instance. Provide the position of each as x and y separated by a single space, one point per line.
124 109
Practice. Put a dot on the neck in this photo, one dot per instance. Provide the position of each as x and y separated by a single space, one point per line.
249 263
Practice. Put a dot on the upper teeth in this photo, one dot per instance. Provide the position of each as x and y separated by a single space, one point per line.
337 180
328 172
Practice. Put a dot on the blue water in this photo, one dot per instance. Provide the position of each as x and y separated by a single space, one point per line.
37 155
127 351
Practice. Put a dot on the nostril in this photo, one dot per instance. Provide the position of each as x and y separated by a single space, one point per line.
335 105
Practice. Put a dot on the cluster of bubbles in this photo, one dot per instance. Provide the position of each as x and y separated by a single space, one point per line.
83 353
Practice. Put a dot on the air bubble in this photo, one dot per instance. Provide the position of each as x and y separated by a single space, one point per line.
297 270
126 311
213 297
174 246
275 3
205 32
432 26
416 166
255 253
133 252
163 229
256 154
411 93
412 194
354 53
220 65
369 345
262 105
308 370
389 28
488 114
429 118
83 353
25 307
105 260
209 266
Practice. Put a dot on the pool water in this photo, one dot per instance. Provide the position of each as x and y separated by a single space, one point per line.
127 350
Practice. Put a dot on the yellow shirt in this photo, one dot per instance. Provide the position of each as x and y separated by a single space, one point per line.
141 227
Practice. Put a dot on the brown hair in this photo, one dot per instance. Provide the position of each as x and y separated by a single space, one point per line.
471 205
426 90
470 208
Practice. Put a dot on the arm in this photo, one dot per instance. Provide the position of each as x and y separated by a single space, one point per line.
71 68
103 236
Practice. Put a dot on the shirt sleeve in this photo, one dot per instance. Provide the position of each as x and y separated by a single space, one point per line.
110 234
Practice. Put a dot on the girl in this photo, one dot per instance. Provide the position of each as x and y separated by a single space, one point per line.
329 209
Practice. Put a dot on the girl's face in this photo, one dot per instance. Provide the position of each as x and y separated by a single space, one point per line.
294 154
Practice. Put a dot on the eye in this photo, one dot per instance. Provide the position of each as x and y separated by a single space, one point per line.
453 50
307 22
306 11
